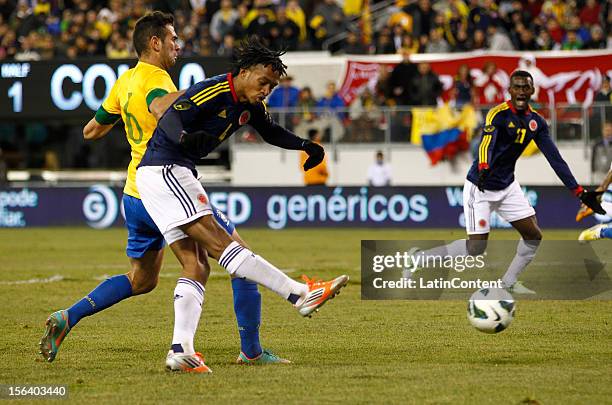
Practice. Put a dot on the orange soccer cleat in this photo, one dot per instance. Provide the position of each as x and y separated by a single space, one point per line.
187 363
319 292
583 212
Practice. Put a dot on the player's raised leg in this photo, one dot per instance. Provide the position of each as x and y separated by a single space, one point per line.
241 262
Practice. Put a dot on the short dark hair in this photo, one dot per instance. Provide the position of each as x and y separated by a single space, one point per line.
312 132
149 26
253 52
521 73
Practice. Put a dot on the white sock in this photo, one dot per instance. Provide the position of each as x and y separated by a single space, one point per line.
525 252
241 262
188 300
454 249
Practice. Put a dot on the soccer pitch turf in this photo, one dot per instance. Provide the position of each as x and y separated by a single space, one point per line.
555 352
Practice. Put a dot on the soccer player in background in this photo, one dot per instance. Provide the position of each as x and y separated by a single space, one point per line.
491 186
139 97
599 231
207 114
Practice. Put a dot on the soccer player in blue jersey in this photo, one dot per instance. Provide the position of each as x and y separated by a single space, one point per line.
140 96
197 122
491 186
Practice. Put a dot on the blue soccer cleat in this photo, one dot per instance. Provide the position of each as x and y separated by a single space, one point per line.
57 329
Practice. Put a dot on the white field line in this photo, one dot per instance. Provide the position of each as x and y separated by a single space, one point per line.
51 279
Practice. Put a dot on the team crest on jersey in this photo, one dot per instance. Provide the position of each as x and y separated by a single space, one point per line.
482 223
202 198
182 105
511 125
222 114
489 128
244 117
533 125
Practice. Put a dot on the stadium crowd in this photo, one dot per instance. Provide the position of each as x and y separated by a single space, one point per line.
45 29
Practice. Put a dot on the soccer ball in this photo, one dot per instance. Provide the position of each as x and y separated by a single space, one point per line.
491 310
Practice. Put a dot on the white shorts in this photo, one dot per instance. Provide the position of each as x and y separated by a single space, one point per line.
510 203
173 197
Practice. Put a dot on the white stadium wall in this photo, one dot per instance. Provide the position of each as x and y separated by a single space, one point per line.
263 165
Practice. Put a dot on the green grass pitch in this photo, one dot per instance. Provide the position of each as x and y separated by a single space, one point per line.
421 352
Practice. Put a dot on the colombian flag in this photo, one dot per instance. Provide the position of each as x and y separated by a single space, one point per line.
442 131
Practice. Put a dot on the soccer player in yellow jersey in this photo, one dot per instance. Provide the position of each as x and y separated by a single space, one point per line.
139 97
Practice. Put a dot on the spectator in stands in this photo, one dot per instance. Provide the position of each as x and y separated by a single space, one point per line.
489 87
318 175
462 43
400 81
380 173
464 86
327 21
544 41
296 14
384 44
285 95
306 103
227 48
498 39
603 98
8 45
478 41
571 42
288 32
331 120
27 51
526 41
365 115
590 13
437 43
426 86
602 151
423 17
260 25
574 24
555 30
397 37
354 46
597 40
222 22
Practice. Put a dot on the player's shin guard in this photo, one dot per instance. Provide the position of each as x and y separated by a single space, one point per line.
106 294
188 300
247 306
525 252
241 262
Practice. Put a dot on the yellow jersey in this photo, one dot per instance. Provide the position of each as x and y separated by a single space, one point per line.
129 99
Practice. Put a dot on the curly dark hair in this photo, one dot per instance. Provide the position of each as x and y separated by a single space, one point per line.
253 52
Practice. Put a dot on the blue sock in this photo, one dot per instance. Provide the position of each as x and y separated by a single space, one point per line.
606 232
247 306
107 293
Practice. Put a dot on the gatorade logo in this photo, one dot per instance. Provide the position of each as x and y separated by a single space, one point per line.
100 207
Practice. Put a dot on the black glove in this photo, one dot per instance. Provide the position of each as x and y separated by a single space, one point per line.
482 176
591 200
315 152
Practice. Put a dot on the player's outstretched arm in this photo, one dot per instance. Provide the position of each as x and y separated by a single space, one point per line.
94 130
159 105
606 182
276 135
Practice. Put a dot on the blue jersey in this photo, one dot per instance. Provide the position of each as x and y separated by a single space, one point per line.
210 106
506 134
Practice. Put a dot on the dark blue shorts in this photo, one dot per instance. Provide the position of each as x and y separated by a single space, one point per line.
143 234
